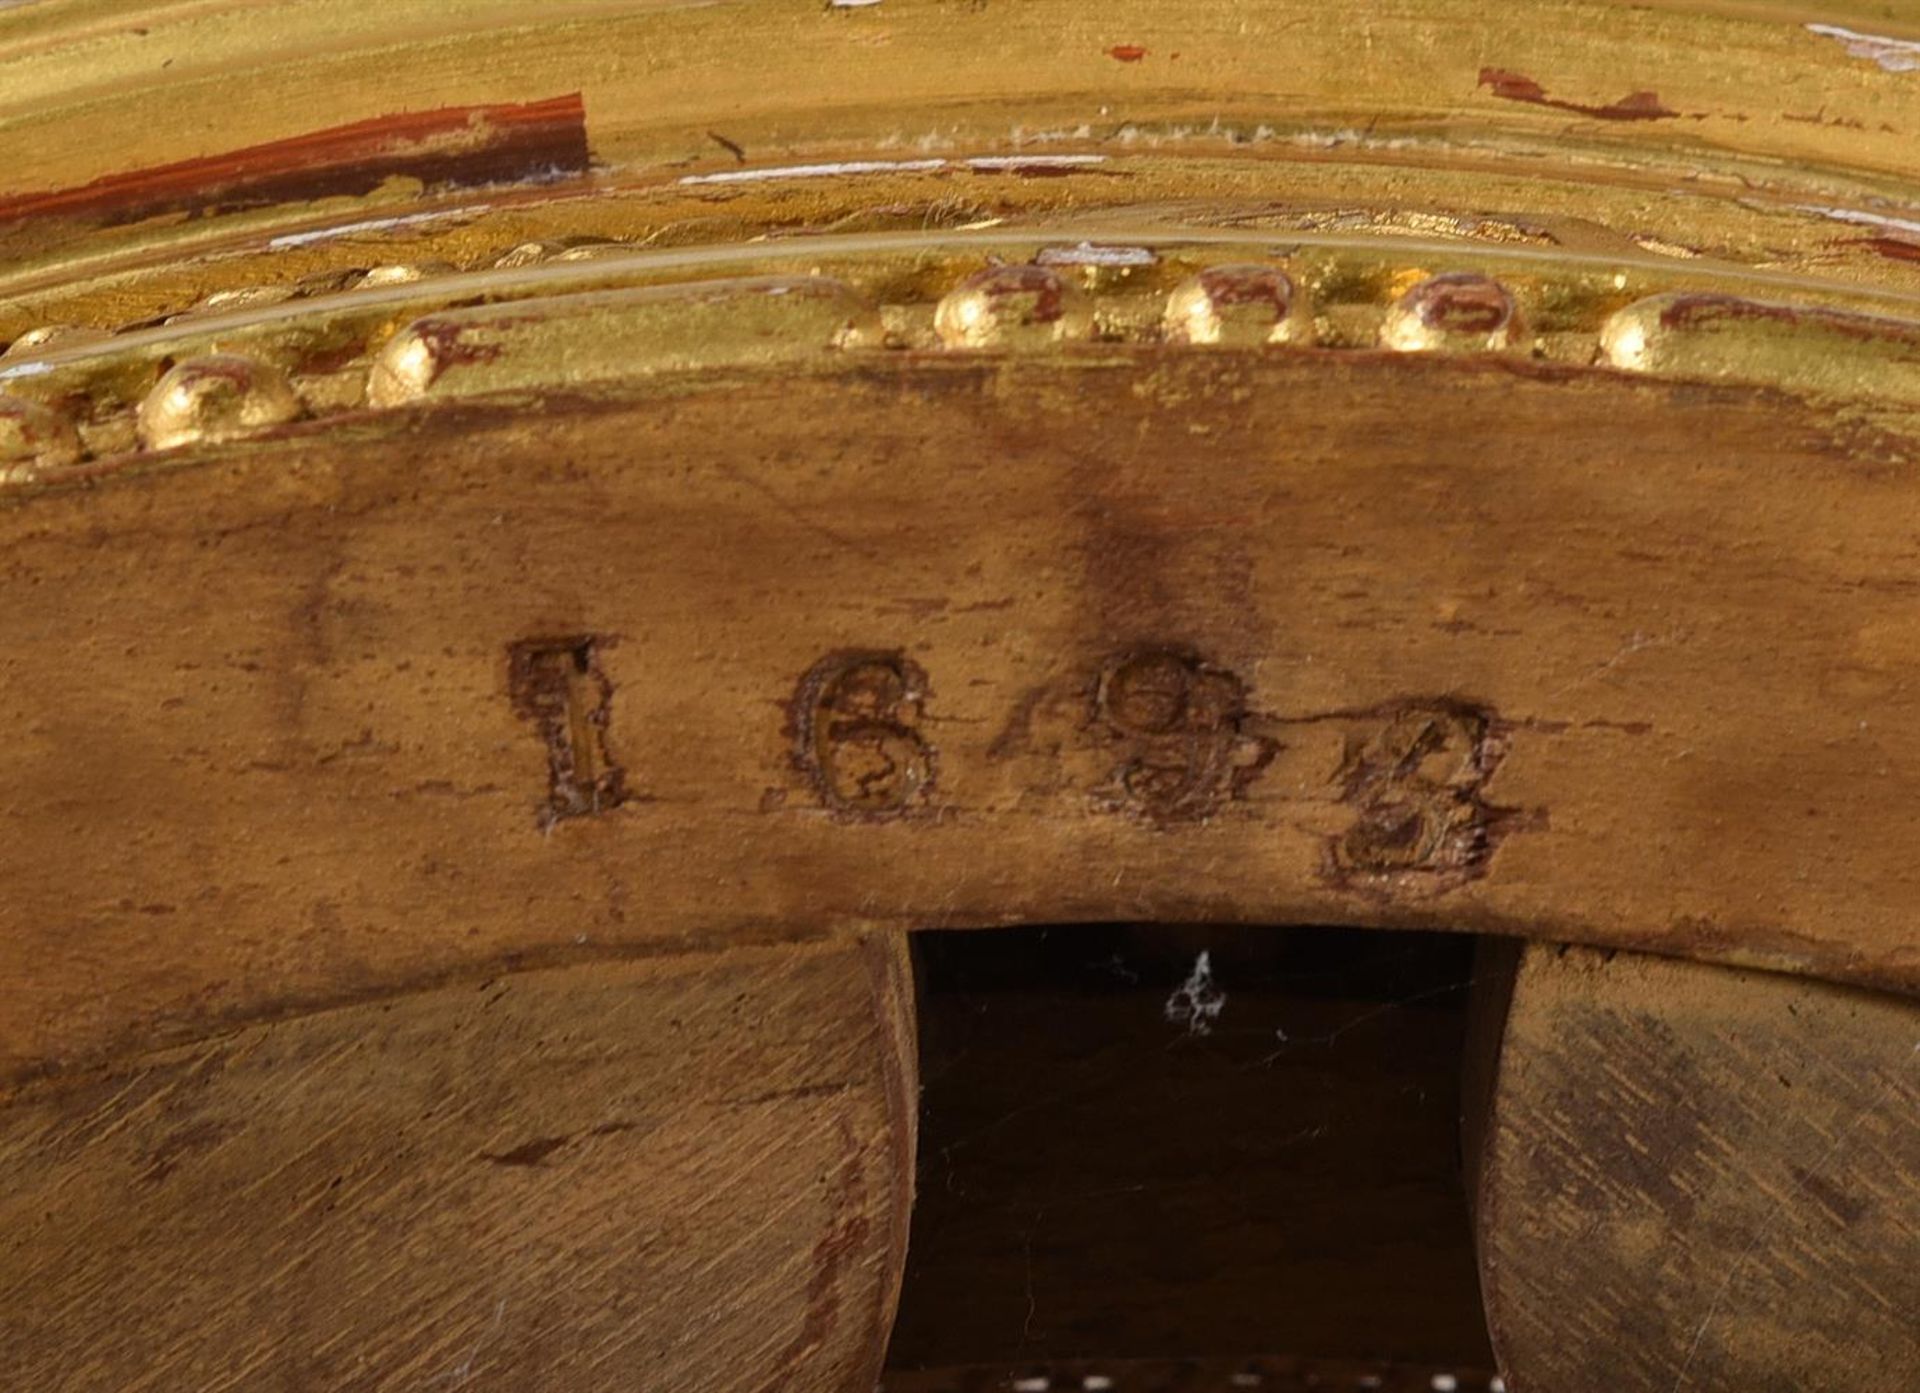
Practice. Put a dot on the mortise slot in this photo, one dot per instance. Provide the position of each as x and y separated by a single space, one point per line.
1148 1142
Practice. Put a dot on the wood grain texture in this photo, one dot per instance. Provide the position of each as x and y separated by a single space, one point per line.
687 1174
647 701
1656 645
1701 1181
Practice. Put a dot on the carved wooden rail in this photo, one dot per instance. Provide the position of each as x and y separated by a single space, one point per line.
542 543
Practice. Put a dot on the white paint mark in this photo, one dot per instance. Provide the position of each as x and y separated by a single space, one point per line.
462 1372
1197 1002
815 171
1087 254
1443 1383
1637 643
31 368
1096 1383
979 164
1244 1380
987 162
1496 1384
1894 55
327 234
1030 1385
853 4
1859 217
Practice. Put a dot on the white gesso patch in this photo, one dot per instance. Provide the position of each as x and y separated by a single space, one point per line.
327 234
1197 1002
1860 218
986 162
1091 254
980 164
814 171
1894 55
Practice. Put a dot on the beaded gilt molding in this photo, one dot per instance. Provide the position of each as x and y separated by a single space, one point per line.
79 403
211 228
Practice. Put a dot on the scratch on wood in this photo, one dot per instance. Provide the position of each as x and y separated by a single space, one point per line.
1802 1178
527 1153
